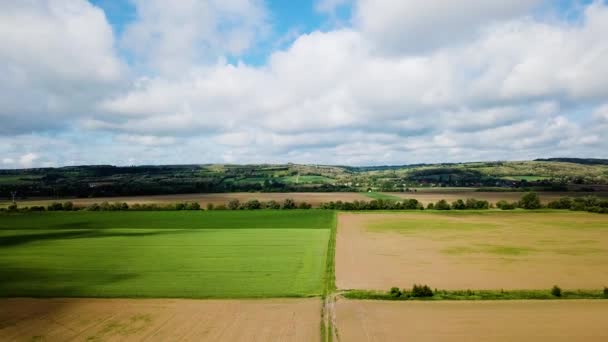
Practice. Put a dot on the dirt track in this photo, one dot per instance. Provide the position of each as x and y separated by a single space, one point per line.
520 321
159 320
527 251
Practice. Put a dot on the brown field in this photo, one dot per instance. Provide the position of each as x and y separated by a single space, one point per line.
314 198
473 321
434 195
459 250
23 319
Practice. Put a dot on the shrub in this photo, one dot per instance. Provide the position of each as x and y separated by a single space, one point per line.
504 205
272 205
289 204
68 206
530 201
395 292
556 291
472 203
12 207
459 205
442 205
421 291
234 204
562 203
55 206
253 205
193 206
93 207
221 207
606 292
304 205
430 206
210 206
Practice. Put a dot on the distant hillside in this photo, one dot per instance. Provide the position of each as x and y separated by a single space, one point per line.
106 180
584 161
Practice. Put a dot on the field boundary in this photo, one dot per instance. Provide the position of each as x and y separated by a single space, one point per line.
328 314
486 295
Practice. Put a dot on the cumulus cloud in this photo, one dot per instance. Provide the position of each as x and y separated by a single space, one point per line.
168 37
56 57
409 81
414 26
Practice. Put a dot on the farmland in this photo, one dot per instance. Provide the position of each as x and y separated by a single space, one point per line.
164 254
472 250
164 264
473 321
24 319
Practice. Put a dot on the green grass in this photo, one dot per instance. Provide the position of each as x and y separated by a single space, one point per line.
382 196
165 254
308 179
479 295
239 219
526 178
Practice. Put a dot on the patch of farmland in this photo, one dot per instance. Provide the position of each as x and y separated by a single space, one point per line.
161 254
472 250
159 320
434 195
314 198
360 320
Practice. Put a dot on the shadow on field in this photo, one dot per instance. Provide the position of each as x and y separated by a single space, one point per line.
20 239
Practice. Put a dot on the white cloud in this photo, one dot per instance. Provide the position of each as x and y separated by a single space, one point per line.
416 26
27 160
170 36
56 57
509 87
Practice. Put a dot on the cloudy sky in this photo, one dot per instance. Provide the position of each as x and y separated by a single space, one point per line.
355 82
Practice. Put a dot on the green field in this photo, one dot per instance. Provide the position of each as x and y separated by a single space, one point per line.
164 254
382 196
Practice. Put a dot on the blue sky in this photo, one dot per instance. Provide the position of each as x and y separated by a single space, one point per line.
351 82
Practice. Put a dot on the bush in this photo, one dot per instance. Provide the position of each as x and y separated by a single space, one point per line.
421 291
472 203
193 206
459 205
12 207
289 204
55 206
530 201
504 205
253 205
430 206
606 292
395 292
442 205
210 206
234 204
556 291
562 203
273 205
304 205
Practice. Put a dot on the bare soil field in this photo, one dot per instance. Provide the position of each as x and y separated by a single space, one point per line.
479 250
428 196
360 320
314 198
23 319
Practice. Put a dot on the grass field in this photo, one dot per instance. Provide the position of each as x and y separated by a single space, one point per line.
382 196
472 250
164 254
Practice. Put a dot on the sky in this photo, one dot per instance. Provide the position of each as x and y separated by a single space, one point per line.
348 82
